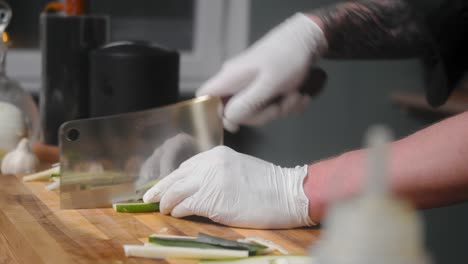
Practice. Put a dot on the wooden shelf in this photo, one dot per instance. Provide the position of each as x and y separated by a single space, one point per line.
457 103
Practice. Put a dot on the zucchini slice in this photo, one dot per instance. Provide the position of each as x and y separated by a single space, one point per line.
267 243
278 259
179 242
44 175
232 244
161 252
174 237
135 207
206 241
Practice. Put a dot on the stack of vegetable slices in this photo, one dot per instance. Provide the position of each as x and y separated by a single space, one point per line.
211 249
52 174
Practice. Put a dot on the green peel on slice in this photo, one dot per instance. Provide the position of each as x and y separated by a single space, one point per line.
253 249
179 242
275 259
163 252
207 242
136 207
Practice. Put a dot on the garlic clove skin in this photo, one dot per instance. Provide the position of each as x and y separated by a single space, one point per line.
13 126
20 160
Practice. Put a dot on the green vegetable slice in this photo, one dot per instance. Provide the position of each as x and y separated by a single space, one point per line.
44 175
162 252
290 259
171 242
205 241
231 244
136 207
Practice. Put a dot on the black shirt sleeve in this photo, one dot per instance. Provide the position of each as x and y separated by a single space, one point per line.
446 62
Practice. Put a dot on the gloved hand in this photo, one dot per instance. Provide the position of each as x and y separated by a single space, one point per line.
234 189
167 157
274 67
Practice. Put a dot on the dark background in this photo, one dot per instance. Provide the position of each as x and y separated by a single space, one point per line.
131 20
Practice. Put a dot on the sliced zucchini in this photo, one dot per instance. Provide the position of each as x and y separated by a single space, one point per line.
233 244
179 242
135 207
42 175
206 241
161 252
271 246
174 237
278 259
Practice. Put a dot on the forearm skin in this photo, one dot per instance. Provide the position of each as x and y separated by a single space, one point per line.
428 168
372 29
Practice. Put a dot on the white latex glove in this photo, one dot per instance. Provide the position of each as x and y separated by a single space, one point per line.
234 189
274 66
167 157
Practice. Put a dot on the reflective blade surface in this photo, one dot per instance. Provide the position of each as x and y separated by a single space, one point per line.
117 158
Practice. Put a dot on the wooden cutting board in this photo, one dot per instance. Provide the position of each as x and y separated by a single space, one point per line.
33 229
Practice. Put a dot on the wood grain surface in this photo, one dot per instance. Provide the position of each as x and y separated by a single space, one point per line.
33 229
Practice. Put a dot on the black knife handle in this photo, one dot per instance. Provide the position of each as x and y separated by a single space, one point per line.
312 85
314 82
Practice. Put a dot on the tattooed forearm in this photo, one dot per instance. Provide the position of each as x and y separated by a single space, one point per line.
372 29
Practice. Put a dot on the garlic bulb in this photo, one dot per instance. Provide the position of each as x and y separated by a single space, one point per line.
20 160
12 127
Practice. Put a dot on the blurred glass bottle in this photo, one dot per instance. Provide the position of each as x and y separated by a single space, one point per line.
19 116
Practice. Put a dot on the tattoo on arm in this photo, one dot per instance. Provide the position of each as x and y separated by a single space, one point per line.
373 29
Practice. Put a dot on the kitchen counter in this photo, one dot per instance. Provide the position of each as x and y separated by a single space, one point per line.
33 229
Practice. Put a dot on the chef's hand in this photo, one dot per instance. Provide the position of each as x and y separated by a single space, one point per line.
167 157
234 189
274 67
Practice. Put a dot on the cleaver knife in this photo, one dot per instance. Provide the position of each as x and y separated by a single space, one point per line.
117 158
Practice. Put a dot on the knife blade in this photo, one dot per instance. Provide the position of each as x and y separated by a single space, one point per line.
102 158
